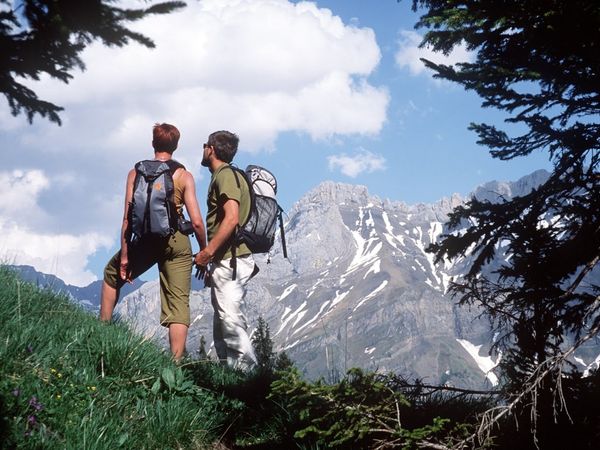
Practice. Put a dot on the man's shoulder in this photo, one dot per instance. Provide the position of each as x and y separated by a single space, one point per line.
228 183
226 175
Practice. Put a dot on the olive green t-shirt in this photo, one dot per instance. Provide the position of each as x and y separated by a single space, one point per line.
223 187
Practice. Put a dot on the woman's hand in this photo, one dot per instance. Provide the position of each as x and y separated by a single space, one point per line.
124 271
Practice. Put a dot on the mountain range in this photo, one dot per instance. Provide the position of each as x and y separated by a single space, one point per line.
357 290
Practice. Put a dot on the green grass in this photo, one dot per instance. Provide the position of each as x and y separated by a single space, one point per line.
69 381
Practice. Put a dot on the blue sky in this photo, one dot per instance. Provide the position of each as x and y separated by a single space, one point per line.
326 90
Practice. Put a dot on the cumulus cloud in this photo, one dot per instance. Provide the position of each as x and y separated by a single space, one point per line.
353 165
21 190
22 241
259 67
408 54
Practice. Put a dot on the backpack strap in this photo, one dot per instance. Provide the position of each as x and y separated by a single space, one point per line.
233 262
174 165
282 232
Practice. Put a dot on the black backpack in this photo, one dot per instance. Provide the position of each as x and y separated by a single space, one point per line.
152 210
258 231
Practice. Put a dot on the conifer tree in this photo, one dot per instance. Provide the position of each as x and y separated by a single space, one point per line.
202 354
283 361
539 62
40 37
263 346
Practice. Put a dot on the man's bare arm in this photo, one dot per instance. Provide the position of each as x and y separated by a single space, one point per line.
226 228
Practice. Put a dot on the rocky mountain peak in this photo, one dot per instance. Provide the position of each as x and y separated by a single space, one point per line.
332 193
496 191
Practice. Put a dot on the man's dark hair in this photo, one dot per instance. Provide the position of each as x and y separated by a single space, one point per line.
225 144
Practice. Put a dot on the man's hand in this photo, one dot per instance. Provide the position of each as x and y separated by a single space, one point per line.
202 258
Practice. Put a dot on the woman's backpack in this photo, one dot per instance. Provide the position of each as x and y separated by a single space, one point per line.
152 210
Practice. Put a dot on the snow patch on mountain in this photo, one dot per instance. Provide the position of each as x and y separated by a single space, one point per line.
485 363
366 253
594 365
339 296
314 318
380 288
298 314
287 291
389 235
434 230
312 290
375 268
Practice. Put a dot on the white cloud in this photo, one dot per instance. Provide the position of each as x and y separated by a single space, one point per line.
23 242
20 191
362 161
258 67
408 54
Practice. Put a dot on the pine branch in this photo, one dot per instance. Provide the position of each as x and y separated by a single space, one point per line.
490 418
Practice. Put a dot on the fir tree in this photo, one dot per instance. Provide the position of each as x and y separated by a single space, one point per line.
283 362
202 354
47 37
263 346
539 62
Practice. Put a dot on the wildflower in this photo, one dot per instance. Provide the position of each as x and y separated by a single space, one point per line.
29 349
35 404
58 396
53 370
16 392
31 420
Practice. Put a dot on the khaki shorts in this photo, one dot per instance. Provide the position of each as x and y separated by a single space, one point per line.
174 258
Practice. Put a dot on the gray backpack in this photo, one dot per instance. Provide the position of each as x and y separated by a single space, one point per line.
152 210
258 231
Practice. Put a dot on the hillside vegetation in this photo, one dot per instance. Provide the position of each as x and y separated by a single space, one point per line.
68 381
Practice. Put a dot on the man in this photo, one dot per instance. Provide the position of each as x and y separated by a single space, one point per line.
228 207
172 253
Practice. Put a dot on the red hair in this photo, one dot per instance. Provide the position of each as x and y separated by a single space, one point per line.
165 137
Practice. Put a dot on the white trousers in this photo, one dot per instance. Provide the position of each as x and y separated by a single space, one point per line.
230 326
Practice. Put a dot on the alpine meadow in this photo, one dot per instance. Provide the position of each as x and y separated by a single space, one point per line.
470 322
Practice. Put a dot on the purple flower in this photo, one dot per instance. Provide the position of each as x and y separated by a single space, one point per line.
16 392
31 420
29 349
35 404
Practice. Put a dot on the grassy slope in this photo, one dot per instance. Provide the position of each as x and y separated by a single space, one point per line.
69 381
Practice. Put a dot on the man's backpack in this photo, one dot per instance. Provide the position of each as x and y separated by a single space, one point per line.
152 211
258 231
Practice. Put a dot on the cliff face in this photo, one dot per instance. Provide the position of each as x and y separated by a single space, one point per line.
359 289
